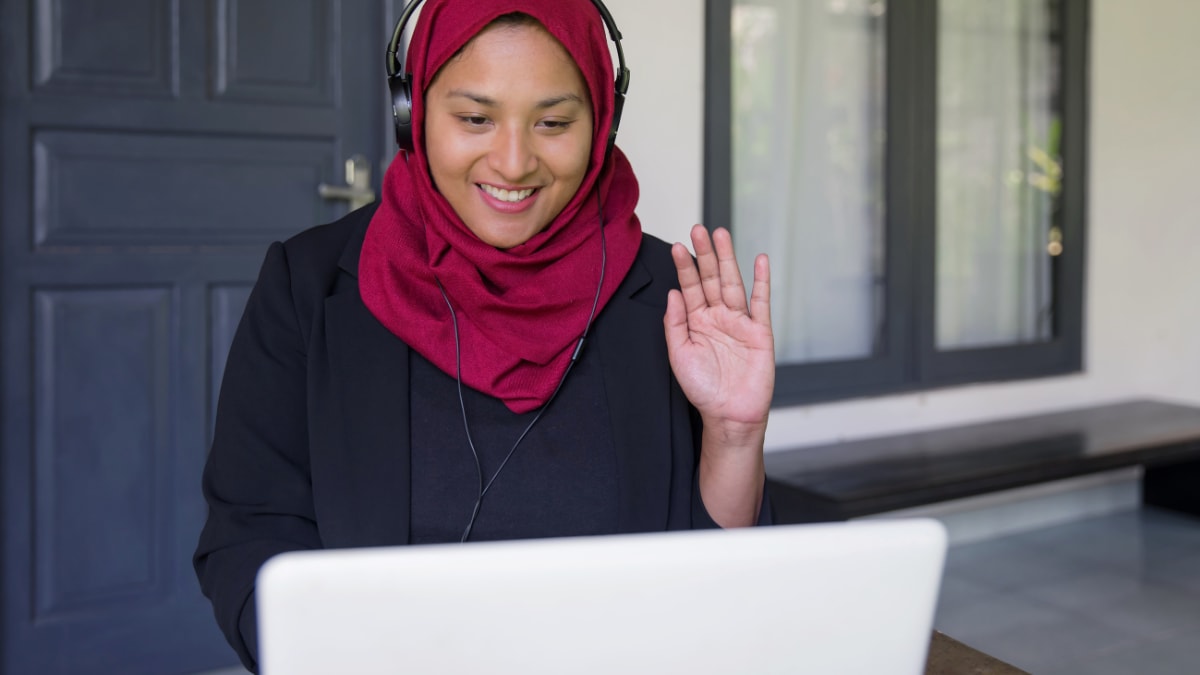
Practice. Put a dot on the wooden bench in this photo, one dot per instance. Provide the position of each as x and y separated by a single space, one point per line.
839 481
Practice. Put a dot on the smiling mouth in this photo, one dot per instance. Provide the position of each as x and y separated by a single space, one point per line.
510 196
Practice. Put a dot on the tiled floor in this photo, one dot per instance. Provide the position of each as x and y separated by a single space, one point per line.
1114 594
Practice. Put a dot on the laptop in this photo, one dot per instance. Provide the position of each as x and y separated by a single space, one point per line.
842 598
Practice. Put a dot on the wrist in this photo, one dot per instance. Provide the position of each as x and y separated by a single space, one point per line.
734 434
731 485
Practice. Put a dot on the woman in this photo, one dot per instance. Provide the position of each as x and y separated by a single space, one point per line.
417 373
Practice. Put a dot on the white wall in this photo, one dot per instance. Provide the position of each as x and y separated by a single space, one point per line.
1143 250
662 126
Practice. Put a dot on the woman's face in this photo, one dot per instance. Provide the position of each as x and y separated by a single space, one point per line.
508 132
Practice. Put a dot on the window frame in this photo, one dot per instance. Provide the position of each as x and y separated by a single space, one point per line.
908 359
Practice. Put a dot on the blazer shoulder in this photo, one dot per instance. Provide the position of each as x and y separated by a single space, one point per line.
653 273
312 265
324 246
320 259
655 254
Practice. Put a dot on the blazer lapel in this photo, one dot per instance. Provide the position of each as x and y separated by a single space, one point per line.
637 383
369 373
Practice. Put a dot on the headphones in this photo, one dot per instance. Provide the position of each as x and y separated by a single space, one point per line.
401 87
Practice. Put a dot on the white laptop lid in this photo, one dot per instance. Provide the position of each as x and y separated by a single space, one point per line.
829 598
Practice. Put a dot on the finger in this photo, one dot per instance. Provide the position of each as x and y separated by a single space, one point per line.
733 291
760 293
706 262
689 278
675 323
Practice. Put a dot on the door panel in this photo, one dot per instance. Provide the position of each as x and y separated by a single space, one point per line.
89 46
246 71
225 302
149 152
96 465
153 190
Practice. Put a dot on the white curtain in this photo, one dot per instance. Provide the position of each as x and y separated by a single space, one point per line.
808 161
808 147
998 171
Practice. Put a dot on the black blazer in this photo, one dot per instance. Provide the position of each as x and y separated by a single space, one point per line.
311 446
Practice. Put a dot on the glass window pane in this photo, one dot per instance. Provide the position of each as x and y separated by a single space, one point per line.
808 161
998 171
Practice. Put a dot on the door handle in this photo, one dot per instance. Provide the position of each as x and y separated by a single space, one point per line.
357 189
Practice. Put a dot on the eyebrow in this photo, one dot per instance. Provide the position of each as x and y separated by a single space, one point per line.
493 103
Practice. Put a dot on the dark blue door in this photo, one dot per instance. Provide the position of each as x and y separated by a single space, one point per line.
149 150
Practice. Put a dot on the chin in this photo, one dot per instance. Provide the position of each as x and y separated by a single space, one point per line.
505 239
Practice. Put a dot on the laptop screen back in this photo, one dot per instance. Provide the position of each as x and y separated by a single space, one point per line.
831 598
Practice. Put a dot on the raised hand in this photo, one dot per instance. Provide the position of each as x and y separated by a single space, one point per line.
722 350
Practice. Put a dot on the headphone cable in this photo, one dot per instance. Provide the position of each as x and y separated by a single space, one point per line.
483 488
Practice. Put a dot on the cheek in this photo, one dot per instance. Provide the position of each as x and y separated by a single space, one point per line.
576 158
434 146
445 152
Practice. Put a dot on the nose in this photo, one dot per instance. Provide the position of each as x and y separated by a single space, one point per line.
512 154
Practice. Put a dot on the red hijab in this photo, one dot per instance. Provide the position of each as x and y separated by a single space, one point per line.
520 310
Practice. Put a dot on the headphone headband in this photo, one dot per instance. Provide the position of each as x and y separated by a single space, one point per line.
401 88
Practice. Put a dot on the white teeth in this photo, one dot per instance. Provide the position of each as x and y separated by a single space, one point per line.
506 195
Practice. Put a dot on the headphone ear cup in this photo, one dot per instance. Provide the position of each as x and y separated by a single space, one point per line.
402 111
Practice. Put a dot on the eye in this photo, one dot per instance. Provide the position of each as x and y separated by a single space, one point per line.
473 120
556 125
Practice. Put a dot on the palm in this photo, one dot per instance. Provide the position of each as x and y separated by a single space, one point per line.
721 348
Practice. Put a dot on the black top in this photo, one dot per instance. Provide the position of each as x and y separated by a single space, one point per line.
561 480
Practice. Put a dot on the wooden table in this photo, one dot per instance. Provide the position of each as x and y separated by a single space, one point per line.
948 656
